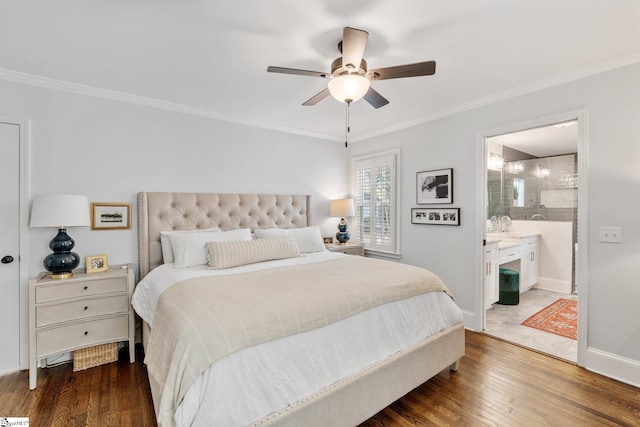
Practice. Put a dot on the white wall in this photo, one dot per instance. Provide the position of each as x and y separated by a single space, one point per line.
613 103
555 252
109 151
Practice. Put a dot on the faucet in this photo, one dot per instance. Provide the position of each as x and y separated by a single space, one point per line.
505 222
494 225
536 216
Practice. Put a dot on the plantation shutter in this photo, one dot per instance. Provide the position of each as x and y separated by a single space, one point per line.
375 201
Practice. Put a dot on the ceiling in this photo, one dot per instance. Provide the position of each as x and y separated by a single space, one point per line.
210 57
545 141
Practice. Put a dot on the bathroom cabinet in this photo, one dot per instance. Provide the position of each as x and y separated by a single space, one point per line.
520 252
491 272
528 262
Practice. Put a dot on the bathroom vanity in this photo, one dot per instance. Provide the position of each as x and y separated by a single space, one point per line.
517 251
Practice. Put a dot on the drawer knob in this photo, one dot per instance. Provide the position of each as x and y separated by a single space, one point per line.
86 333
86 308
86 287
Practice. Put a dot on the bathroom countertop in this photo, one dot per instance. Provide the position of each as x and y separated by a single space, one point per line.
510 235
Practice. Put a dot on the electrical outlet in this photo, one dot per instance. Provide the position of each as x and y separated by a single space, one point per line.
611 234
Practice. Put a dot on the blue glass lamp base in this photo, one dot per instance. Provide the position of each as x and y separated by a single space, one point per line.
62 261
342 235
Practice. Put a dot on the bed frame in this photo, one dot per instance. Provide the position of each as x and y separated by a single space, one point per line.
345 403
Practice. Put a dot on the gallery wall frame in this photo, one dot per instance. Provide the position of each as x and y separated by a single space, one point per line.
110 216
435 216
434 187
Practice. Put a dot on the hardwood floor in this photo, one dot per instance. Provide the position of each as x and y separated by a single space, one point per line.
116 394
498 384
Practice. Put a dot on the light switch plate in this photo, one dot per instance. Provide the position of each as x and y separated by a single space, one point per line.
611 234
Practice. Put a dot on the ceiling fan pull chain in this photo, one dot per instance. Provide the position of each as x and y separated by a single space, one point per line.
347 126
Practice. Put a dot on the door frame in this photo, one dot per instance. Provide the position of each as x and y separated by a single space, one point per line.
23 242
582 271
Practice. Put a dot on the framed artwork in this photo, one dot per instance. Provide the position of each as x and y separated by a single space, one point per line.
434 187
110 216
328 240
97 263
437 216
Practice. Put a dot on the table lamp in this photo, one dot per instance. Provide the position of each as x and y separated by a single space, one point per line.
342 208
61 211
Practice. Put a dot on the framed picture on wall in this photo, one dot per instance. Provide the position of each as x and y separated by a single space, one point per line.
434 187
436 216
110 216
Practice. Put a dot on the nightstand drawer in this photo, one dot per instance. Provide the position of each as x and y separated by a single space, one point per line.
349 248
60 291
79 335
81 309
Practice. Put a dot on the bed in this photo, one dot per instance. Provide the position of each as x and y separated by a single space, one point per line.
333 368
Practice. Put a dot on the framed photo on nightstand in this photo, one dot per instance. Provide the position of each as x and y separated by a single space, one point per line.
97 264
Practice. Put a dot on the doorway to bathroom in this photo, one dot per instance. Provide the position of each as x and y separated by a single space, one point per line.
531 288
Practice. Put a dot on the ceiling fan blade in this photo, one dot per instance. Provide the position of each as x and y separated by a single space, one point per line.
317 97
272 69
353 43
375 99
410 70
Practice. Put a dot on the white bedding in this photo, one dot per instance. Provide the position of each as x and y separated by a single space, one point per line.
252 383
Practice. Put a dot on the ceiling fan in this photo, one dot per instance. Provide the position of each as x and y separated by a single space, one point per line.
350 78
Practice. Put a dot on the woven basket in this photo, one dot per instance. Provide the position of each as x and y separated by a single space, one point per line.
94 356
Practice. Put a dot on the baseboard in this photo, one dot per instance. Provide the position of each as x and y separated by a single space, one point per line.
471 321
613 366
555 285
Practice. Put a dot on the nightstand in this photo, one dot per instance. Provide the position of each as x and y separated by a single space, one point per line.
82 311
348 248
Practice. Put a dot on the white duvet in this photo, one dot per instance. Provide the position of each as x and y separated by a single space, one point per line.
252 383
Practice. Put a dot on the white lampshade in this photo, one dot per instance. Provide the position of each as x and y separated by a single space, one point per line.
60 210
349 87
342 208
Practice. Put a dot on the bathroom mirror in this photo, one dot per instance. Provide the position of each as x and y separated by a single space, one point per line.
538 189
518 192
494 197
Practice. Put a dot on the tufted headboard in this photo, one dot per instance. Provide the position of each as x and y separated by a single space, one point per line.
190 211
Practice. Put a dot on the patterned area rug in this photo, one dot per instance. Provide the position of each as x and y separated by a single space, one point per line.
560 318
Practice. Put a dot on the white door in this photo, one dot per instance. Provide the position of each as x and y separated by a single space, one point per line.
9 247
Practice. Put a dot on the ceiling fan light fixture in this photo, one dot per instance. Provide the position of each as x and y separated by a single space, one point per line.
349 87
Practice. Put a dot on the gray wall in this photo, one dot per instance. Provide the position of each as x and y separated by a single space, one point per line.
613 103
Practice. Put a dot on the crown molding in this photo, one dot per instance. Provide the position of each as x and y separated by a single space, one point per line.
33 80
512 93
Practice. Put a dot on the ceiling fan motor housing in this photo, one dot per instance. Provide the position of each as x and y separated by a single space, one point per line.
338 70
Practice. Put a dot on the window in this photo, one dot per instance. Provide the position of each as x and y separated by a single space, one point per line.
375 194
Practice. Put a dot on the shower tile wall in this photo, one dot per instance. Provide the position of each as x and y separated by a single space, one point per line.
559 187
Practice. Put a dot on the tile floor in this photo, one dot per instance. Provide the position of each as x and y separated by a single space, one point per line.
504 321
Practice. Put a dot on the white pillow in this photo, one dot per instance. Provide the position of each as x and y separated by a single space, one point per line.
241 252
165 242
189 249
308 239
